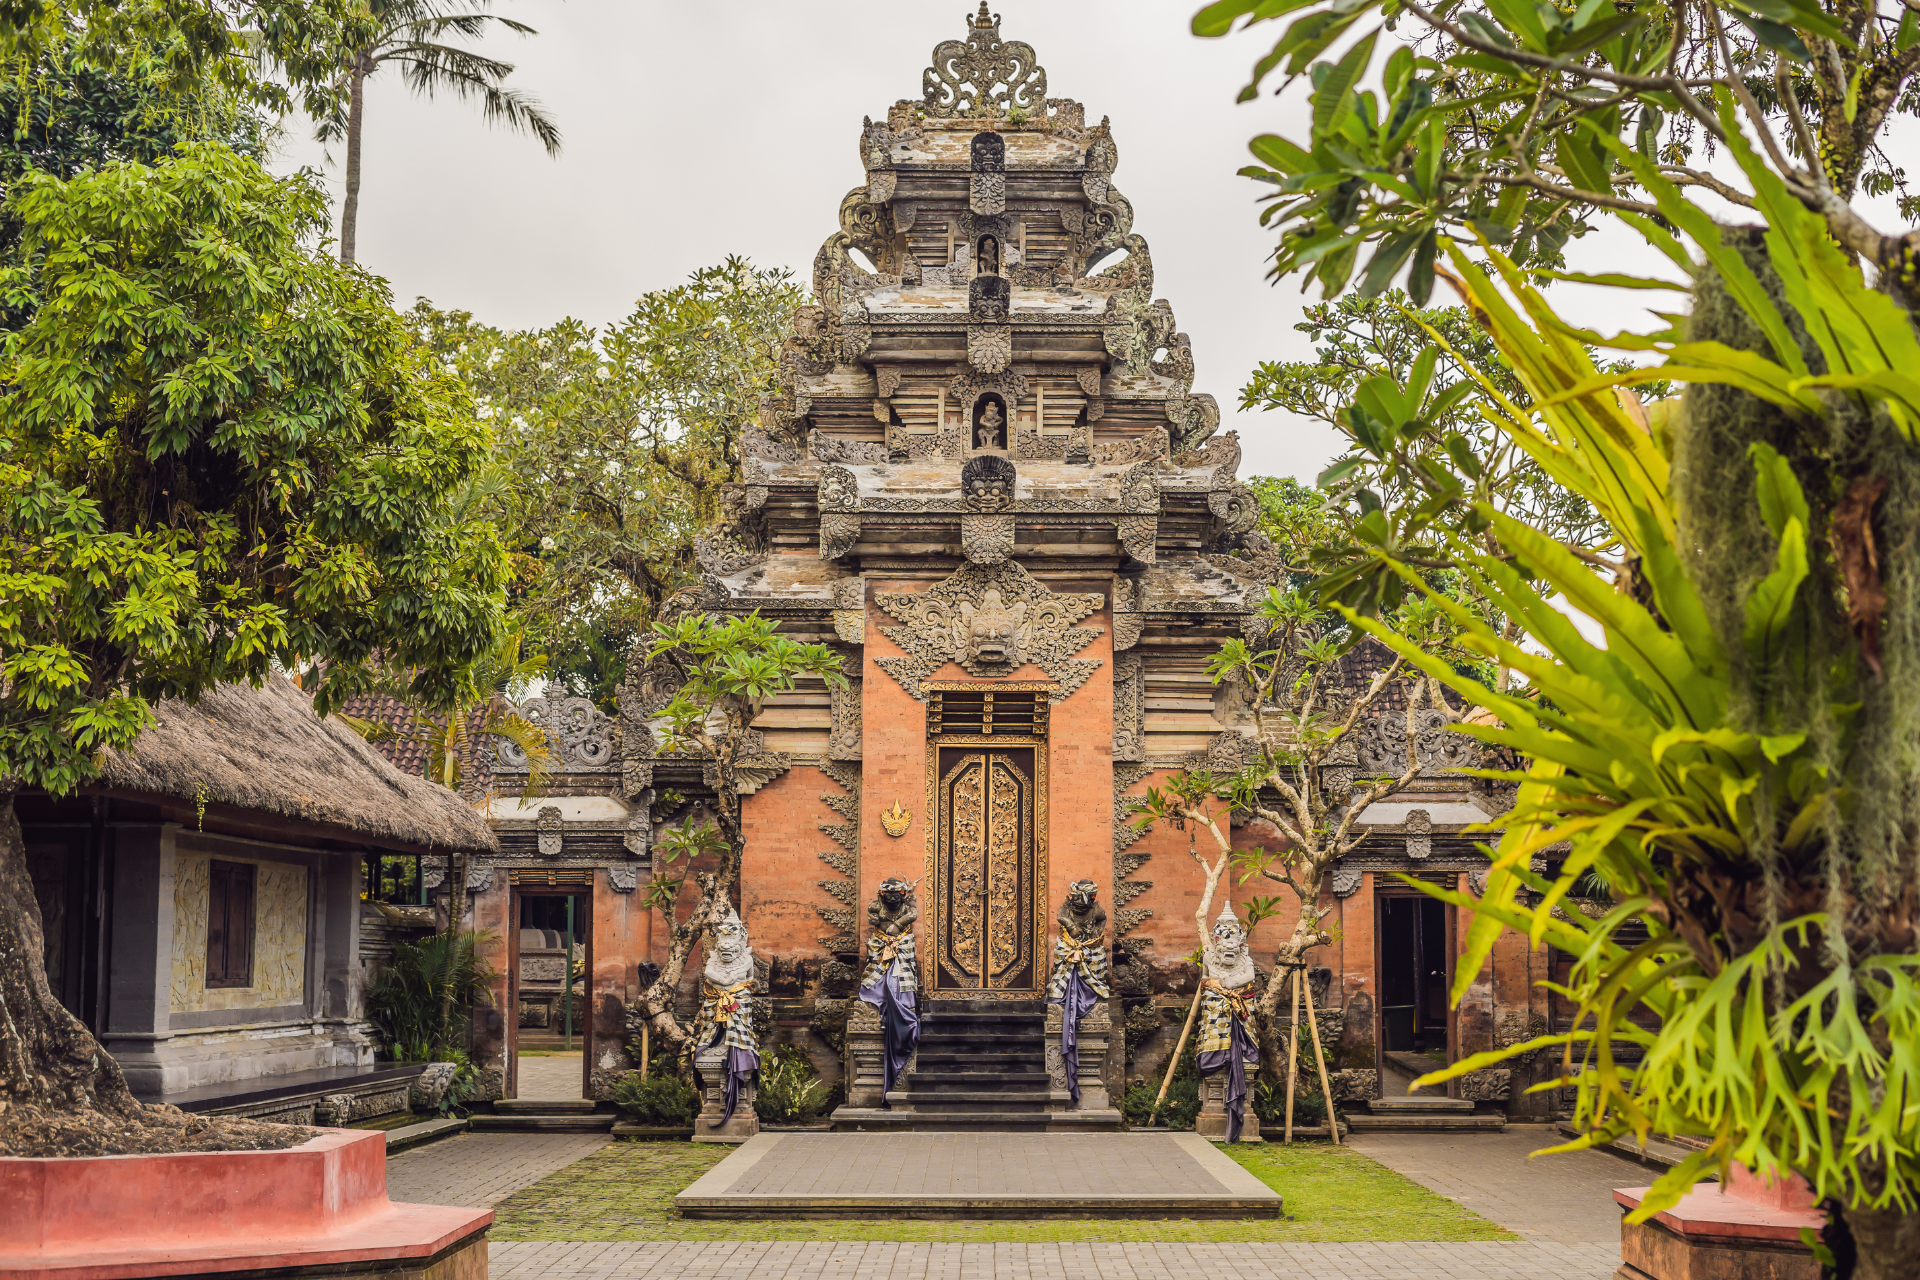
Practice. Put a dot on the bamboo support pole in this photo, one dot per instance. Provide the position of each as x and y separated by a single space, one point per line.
1320 1059
646 1050
1293 1053
1174 1062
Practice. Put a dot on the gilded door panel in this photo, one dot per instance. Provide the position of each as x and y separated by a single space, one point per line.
984 871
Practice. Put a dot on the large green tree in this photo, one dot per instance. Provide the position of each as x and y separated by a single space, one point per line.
1737 761
221 455
616 444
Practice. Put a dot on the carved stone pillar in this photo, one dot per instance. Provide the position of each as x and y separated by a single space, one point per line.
1096 1032
866 1046
1212 1123
711 1065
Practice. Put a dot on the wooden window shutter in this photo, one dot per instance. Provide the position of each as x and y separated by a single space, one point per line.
230 924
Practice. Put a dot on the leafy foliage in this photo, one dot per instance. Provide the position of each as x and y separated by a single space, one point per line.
419 1000
1779 970
619 443
790 1089
1514 120
658 1098
221 454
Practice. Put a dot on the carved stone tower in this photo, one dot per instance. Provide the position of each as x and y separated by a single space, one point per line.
987 481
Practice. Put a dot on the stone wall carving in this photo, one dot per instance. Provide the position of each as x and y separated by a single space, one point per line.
965 391
843 737
623 877
1139 536
838 490
753 765
1346 881
1436 748
1234 505
983 75
579 737
990 347
549 831
1129 708
1419 828
845 859
986 539
990 619
1129 611
839 530
833 449
987 484
1125 834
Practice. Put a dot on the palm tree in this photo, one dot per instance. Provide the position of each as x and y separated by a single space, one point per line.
410 37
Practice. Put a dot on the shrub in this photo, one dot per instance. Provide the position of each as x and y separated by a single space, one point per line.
1179 1111
419 1000
1269 1102
790 1088
661 1098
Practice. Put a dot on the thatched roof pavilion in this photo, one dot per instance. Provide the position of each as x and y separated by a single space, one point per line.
262 753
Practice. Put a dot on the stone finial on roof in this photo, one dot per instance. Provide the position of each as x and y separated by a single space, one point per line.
983 75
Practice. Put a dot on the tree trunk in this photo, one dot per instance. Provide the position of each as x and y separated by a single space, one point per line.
350 208
1885 1244
61 1094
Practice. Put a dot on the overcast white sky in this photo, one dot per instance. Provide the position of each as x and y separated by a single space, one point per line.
695 130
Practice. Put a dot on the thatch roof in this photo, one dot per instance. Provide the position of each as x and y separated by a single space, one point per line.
265 750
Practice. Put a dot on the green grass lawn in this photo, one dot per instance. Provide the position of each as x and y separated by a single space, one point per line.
625 1192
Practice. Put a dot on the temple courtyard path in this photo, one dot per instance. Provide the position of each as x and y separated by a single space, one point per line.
1407 1208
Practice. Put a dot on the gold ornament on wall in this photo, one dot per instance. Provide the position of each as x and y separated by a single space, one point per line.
896 820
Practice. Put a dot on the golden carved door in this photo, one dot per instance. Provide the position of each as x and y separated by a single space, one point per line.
985 872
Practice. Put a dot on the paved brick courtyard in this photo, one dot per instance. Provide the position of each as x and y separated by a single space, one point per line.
1560 1204
1486 1260
962 1163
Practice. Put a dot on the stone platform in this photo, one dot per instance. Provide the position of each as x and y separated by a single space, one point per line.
978 1175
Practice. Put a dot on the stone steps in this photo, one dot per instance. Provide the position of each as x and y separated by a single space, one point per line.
542 1124
938 1081
1469 1123
544 1106
413 1135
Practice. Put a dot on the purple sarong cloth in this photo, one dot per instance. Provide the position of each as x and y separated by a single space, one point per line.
740 1064
1235 1059
1075 1002
899 1026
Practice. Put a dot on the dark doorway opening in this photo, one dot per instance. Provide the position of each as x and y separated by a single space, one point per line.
1415 955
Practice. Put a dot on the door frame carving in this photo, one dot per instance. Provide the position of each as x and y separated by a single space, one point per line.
1037 743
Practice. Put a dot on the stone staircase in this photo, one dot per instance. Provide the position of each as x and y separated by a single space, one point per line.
542 1115
981 1067
1420 1113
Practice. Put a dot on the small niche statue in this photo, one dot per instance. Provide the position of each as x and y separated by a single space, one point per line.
987 434
725 1018
1080 969
989 263
1227 1041
888 984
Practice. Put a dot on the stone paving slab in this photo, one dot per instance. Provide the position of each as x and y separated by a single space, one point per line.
979 1175
808 1260
1563 1199
478 1170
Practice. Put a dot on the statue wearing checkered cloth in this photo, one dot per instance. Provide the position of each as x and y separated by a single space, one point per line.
1227 1039
1079 971
725 1017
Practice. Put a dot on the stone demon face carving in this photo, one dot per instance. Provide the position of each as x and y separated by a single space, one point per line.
894 892
995 633
986 482
1082 893
730 940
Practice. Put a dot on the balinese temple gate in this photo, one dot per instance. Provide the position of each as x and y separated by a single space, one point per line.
987 483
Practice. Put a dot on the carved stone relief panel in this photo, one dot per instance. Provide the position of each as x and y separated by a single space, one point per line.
838 490
1346 880
987 484
1138 535
1436 748
1419 828
623 877
986 539
990 620
1129 616
1235 505
990 347
987 193
579 736
838 532
843 738
983 75
549 831
1129 708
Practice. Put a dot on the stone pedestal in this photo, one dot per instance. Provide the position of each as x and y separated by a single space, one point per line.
1212 1122
1096 1033
711 1065
866 1047
1750 1230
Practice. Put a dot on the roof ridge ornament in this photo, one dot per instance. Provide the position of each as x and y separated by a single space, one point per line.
984 76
